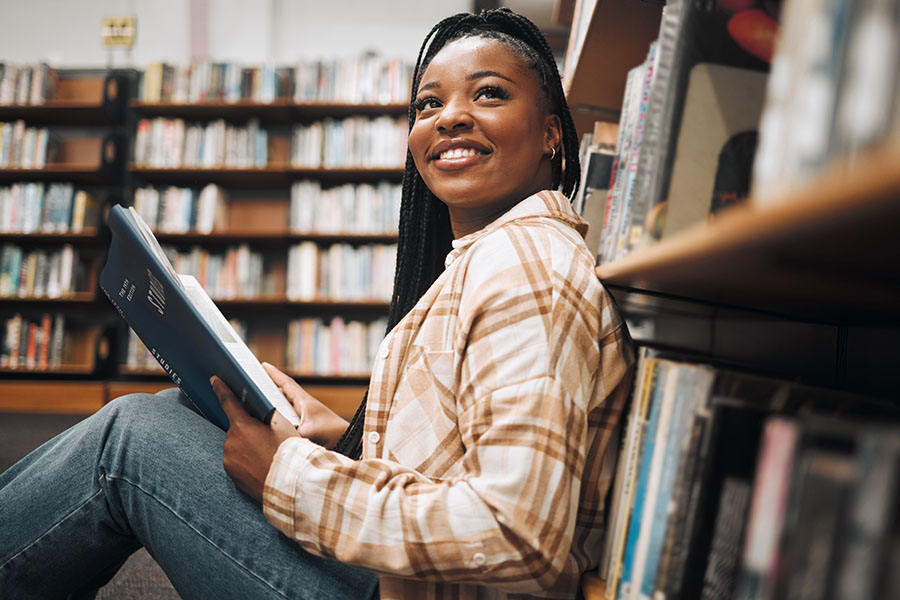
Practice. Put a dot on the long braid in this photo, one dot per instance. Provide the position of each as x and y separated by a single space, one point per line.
424 229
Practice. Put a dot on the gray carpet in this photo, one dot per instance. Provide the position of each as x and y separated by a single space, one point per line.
140 578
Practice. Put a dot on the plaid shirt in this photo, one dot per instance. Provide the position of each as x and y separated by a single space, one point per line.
491 408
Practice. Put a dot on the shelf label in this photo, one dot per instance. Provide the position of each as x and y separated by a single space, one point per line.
119 31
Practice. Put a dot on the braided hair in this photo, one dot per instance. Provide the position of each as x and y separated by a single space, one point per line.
425 233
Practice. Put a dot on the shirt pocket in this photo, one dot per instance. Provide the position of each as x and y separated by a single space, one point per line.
422 431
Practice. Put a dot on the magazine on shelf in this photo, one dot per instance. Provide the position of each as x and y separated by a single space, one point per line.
181 326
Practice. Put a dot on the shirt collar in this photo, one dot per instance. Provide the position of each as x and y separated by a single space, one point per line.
547 203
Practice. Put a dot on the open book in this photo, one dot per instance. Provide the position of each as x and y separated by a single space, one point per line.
181 326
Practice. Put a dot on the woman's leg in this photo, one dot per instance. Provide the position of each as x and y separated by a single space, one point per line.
146 470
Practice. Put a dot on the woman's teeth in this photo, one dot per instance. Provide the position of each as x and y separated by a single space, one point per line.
458 153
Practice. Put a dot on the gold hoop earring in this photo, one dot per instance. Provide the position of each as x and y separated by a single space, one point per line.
552 153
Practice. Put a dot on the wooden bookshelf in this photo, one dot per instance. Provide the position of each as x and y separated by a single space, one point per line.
74 298
276 175
273 237
85 98
616 37
52 396
280 110
87 236
825 251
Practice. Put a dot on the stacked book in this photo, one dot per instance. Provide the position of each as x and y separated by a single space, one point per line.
333 348
26 147
367 79
341 272
354 142
214 82
163 143
731 485
834 91
33 343
347 209
236 273
27 84
38 208
39 273
181 210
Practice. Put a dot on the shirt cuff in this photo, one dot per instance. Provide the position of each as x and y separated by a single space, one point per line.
280 490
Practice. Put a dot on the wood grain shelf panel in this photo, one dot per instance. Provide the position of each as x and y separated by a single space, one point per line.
62 397
827 251
271 176
235 236
281 110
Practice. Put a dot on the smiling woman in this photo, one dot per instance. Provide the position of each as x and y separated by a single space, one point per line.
477 465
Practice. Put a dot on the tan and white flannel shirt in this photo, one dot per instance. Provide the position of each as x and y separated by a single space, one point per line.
491 409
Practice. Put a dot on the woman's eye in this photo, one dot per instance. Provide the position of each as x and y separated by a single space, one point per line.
492 92
426 103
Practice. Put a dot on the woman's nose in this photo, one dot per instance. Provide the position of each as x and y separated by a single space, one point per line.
455 115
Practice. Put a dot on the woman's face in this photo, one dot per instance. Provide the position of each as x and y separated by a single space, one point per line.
481 139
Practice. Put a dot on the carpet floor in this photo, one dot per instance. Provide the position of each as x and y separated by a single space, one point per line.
140 578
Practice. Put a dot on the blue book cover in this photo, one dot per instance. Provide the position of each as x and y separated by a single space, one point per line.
181 326
625 582
693 386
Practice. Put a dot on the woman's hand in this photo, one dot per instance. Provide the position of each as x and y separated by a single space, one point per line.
317 422
250 445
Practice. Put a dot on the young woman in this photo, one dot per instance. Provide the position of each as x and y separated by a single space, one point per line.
478 464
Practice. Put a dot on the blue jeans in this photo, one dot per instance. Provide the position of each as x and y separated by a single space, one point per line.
146 470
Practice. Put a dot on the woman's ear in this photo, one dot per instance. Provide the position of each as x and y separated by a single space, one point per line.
552 133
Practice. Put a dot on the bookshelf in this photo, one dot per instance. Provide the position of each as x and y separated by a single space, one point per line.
800 285
52 216
258 206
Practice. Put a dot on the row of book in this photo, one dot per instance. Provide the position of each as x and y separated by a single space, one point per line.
180 209
333 348
355 80
687 129
238 272
731 485
163 143
33 343
352 142
834 90
340 272
349 208
213 82
26 147
27 84
38 208
366 79
39 273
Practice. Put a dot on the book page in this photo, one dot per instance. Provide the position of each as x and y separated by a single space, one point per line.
236 347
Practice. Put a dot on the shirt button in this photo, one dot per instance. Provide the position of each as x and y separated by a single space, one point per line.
374 437
479 559
385 350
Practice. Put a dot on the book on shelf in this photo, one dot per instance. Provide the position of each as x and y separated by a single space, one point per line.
182 327
27 84
163 143
334 347
182 210
361 208
352 142
38 208
40 273
33 344
340 272
649 160
834 91
238 272
691 507
26 147
365 79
